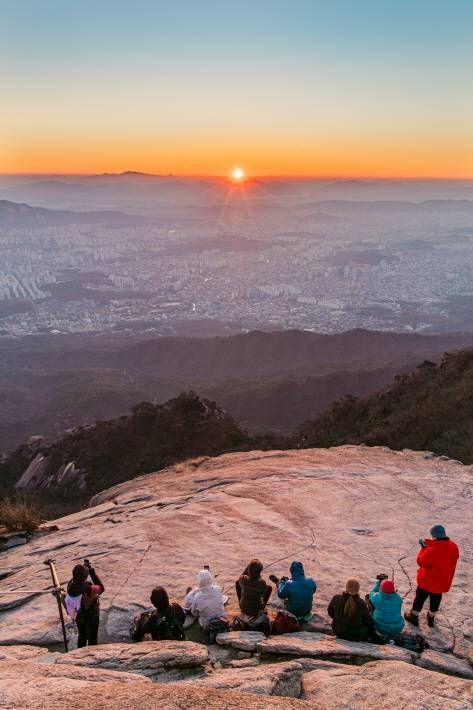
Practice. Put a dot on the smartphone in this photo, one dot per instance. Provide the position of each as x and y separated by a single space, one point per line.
207 567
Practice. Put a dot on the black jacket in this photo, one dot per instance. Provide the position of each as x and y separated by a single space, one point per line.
352 628
161 627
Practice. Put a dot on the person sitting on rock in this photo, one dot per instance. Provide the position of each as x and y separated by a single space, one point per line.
164 623
252 590
82 603
298 592
351 619
208 601
437 561
387 606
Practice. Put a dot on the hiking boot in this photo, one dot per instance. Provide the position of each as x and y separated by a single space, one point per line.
412 618
430 620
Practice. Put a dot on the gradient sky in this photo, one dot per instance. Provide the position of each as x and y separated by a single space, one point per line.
323 88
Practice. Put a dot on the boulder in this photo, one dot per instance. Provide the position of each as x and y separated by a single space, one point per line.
386 685
312 645
445 663
28 684
283 679
21 653
242 640
150 658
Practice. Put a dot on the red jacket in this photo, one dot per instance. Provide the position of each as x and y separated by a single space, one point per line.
437 564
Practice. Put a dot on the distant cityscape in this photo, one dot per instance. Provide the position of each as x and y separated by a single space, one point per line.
328 267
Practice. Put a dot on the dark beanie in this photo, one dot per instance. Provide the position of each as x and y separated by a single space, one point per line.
80 573
438 532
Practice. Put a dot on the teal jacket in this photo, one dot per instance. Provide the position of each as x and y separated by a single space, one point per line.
387 616
298 591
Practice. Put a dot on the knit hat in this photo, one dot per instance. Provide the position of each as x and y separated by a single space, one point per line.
387 586
353 586
438 531
204 578
80 573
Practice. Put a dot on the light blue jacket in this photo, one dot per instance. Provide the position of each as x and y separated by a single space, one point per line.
387 616
298 591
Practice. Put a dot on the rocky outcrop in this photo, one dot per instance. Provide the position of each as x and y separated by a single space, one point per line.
28 684
386 685
445 663
347 511
151 659
356 511
284 679
39 476
313 645
241 640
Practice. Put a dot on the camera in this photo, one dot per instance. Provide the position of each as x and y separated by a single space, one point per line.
87 563
382 576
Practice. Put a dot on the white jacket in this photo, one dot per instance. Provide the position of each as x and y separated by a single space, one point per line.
207 603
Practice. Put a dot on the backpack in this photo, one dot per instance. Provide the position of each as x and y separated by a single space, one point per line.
217 625
413 642
254 623
166 627
284 623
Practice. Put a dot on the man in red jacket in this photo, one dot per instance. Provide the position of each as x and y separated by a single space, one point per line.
437 561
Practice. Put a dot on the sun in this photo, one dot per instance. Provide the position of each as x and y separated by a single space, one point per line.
238 174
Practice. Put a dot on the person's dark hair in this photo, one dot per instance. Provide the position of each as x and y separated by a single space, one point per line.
254 569
80 573
159 599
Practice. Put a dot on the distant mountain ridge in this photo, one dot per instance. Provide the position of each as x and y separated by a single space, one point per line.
17 215
266 381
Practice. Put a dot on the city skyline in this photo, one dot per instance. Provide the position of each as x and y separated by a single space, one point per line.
371 90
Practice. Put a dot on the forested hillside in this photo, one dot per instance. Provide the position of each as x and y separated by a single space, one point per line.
431 409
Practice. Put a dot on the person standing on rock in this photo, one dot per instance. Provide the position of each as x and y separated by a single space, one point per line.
252 590
351 619
298 592
387 605
82 603
437 561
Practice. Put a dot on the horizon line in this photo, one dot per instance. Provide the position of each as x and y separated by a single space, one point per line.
250 176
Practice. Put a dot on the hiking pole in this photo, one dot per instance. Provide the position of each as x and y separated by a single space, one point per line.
57 591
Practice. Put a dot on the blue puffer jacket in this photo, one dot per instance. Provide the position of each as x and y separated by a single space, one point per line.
387 616
298 591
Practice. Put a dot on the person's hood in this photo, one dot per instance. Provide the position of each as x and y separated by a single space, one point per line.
204 579
297 570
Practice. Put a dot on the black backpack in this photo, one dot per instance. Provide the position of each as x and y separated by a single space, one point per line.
413 642
217 625
164 627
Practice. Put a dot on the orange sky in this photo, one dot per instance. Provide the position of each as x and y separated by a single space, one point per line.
309 88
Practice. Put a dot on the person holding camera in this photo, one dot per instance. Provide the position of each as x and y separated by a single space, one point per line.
386 607
82 603
437 561
297 592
